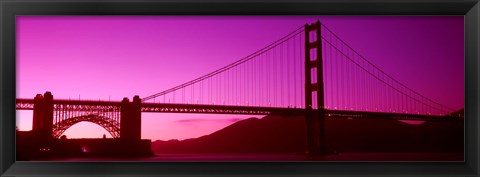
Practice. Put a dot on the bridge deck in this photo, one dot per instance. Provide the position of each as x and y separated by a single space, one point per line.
27 104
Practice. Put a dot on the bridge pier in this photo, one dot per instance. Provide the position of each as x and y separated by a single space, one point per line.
130 128
130 119
42 124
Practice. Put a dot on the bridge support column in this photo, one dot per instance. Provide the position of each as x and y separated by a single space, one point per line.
38 113
42 125
48 119
136 114
130 129
124 112
130 119
315 124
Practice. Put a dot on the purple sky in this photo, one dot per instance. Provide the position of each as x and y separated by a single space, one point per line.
109 57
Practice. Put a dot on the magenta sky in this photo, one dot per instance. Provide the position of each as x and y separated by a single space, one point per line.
109 57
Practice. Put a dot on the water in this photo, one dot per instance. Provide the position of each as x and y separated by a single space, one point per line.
281 157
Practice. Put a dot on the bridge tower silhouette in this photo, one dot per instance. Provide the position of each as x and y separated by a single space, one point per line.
130 119
315 124
42 124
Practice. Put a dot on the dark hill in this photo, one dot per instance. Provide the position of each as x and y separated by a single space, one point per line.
459 113
273 134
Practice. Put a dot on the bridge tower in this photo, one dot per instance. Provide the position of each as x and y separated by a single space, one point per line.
315 124
43 116
130 119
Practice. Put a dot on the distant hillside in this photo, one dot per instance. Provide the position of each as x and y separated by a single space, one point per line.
460 113
274 134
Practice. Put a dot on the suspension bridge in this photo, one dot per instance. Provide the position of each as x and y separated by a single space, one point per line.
309 72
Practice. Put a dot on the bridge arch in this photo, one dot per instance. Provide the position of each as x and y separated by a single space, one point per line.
111 126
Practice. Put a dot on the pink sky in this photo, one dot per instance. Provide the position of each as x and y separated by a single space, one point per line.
111 57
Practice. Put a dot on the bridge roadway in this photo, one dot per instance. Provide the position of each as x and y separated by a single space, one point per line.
86 105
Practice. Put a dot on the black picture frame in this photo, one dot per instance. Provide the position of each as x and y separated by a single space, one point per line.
11 8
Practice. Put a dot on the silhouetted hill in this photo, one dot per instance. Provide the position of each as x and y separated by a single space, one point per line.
460 113
274 134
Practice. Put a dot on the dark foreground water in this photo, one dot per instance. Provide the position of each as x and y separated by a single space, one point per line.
281 157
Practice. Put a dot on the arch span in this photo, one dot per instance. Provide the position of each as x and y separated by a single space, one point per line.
108 124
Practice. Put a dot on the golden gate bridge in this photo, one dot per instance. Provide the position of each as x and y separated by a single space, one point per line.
309 72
